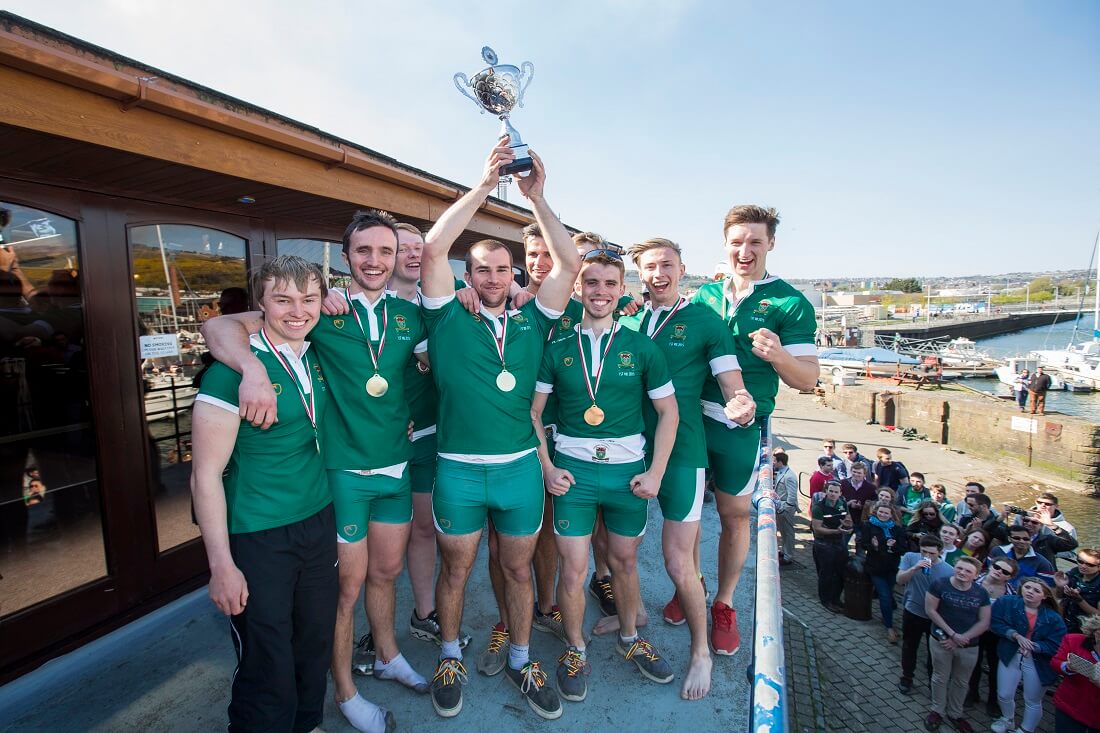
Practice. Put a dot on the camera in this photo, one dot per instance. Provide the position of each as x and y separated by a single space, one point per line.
1013 509
939 634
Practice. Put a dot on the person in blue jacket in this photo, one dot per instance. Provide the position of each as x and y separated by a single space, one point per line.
1031 630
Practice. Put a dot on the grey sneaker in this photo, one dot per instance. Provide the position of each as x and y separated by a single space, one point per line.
572 670
427 629
446 687
649 662
549 623
531 681
362 657
492 660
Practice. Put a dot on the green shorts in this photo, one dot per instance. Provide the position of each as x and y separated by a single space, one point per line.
423 464
600 486
511 493
681 495
733 454
360 500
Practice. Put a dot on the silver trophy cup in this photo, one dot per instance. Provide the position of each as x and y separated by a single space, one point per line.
497 89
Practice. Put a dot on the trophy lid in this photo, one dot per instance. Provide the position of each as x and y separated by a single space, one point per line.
489 55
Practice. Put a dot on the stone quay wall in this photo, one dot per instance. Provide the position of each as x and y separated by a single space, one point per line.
1061 445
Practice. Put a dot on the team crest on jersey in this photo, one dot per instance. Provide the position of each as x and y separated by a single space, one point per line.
338 322
351 529
565 323
476 317
444 523
679 331
319 375
278 388
762 306
519 318
401 322
599 453
626 360
568 361
563 524
711 299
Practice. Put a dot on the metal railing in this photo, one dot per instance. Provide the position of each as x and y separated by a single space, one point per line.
769 677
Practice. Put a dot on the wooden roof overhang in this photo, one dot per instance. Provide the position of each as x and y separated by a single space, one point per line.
77 115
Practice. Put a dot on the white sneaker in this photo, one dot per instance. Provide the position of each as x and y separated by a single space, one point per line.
1001 725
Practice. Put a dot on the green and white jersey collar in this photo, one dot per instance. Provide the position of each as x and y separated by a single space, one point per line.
296 361
731 296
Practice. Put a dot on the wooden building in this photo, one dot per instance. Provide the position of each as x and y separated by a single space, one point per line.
133 200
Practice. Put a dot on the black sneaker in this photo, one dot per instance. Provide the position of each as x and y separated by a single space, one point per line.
427 629
446 688
650 663
600 589
933 721
362 657
572 669
905 686
531 681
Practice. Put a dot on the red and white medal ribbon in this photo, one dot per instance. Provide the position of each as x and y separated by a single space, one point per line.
308 404
374 357
652 332
592 390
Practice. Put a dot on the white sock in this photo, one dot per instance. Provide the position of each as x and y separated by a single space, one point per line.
628 639
450 649
518 655
398 669
364 715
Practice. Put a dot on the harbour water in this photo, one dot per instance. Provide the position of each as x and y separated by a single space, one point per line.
1058 336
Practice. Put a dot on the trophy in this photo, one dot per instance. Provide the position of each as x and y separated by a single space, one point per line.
497 89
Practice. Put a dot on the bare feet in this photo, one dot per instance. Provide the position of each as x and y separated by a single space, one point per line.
697 680
608 624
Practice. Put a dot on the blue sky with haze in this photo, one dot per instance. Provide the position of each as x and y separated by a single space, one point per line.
895 138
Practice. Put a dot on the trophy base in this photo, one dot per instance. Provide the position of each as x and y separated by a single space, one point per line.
519 165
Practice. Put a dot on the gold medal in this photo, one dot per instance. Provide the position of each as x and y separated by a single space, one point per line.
506 382
377 386
593 415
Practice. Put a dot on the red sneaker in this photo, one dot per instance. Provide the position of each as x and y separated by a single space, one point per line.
724 637
674 614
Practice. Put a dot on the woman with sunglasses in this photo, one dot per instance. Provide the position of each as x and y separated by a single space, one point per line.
1079 589
1031 629
1078 660
926 520
995 583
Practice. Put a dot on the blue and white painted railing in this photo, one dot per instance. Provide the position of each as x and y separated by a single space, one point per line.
769 683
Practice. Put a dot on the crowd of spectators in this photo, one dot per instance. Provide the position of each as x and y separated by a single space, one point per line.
981 592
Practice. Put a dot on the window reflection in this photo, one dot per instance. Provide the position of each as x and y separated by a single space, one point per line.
183 275
327 255
51 536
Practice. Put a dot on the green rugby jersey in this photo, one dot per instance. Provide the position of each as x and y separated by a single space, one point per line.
275 477
475 416
363 432
696 345
634 372
772 304
420 390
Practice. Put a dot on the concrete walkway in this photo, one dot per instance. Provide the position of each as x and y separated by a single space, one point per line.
857 671
171 672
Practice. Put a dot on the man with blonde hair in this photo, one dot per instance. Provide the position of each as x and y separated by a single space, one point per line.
697 346
773 328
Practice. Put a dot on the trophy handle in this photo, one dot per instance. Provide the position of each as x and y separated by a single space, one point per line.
528 74
463 85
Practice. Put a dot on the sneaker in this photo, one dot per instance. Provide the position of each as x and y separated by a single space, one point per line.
933 721
600 589
362 657
492 660
427 629
905 686
549 623
572 669
961 725
673 613
1000 725
724 637
649 662
891 636
446 688
531 681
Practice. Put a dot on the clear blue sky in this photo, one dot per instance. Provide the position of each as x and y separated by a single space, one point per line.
895 138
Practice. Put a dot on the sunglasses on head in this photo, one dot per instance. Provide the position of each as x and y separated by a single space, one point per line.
609 253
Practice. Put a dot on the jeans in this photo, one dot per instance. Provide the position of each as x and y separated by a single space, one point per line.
831 560
884 589
987 653
1008 679
913 629
1021 398
951 670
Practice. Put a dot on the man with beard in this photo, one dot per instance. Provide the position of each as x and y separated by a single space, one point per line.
485 366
